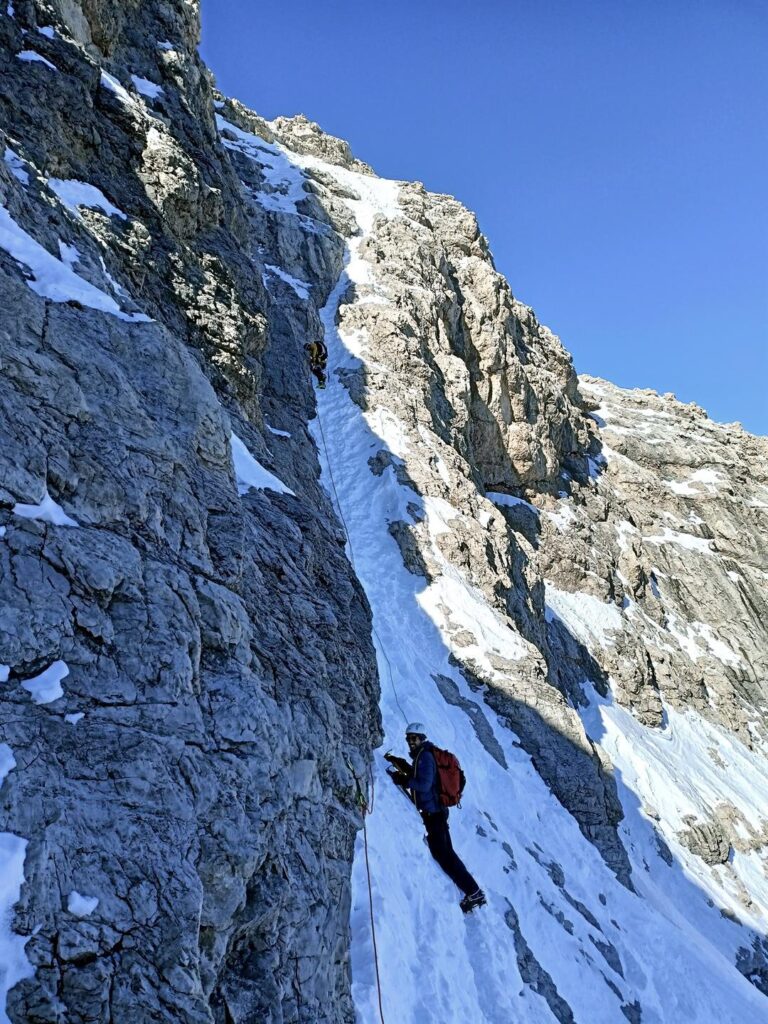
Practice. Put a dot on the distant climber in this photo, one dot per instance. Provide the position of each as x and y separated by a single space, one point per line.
318 359
423 780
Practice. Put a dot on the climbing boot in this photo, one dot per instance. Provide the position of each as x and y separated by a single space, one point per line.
475 899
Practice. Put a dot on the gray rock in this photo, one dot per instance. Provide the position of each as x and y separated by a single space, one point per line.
532 972
707 840
474 712
218 646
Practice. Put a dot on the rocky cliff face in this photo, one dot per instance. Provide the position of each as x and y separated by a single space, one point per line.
219 685
565 575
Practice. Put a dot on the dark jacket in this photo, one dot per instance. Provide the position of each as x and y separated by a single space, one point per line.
424 783
318 353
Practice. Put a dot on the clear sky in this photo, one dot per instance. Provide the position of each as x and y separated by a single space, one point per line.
615 151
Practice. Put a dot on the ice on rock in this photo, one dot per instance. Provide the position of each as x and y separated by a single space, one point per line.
69 254
276 432
710 478
563 517
589 619
250 473
81 906
116 287
14 965
281 173
48 31
74 718
684 540
681 487
112 84
300 287
7 761
47 687
510 500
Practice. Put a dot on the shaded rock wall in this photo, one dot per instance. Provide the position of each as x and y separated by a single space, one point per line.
217 643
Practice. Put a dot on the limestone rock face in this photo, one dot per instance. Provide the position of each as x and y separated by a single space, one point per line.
706 840
671 529
303 136
198 771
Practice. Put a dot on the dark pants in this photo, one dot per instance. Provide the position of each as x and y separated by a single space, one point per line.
441 848
319 372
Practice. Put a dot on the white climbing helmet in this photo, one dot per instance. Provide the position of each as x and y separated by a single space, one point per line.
415 729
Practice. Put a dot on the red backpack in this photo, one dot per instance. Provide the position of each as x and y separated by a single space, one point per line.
450 778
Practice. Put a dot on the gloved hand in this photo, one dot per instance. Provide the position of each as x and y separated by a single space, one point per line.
399 778
400 764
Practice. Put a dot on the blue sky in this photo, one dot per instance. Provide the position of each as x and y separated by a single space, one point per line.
616 154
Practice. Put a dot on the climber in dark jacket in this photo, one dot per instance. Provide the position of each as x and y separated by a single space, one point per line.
318 358
421 780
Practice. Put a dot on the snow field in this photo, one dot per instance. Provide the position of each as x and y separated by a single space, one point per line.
677 771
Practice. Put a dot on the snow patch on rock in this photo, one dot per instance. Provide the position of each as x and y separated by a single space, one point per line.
47 687
250 473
